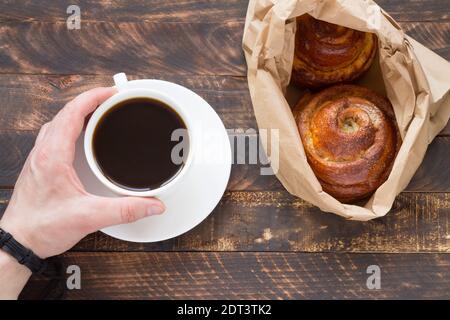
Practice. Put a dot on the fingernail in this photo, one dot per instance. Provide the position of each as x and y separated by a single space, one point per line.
155 209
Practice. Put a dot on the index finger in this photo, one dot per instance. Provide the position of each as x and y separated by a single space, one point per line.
68 123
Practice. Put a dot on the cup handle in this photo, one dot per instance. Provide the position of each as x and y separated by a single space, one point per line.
120 80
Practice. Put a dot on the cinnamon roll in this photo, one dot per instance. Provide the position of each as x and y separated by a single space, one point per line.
327 53
350 137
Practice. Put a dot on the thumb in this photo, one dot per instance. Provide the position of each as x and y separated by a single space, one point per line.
112 211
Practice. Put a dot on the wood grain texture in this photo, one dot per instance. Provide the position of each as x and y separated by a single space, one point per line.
16 145
147 47
197 43
277 221
446 130
433 168
108 48
186 10
435 36
126 11
28 101
432 176
5 195
249 276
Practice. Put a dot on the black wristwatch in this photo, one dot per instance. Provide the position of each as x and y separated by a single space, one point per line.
23 255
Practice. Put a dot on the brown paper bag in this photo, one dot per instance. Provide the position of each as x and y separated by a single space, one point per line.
416 81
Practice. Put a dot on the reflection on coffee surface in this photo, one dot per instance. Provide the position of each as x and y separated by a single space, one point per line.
133 147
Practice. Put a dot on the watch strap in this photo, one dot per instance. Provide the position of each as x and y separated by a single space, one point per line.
22 254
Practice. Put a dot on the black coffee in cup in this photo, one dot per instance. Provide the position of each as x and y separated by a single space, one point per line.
133 147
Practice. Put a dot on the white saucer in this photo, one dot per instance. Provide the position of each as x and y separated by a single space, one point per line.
194 197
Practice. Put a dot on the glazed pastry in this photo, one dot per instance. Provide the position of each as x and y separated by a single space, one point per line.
327 54
350 138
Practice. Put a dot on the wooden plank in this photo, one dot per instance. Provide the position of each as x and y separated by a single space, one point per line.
14 149
277 221
5 195
16 145
129 11
147 47
433 168
435 36
432 176
248 276
31 100
446 130
108 48
187 10
28 101
416 10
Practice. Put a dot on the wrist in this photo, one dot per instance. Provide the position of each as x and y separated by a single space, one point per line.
21 235
21 253
13 276
9 262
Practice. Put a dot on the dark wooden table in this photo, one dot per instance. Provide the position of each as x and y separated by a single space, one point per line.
260 242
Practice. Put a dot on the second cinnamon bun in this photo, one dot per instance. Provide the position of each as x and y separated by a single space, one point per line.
351 139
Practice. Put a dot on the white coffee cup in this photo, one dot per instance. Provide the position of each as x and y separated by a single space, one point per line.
124 93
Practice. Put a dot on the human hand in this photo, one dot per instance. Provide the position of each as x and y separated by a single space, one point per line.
50 211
